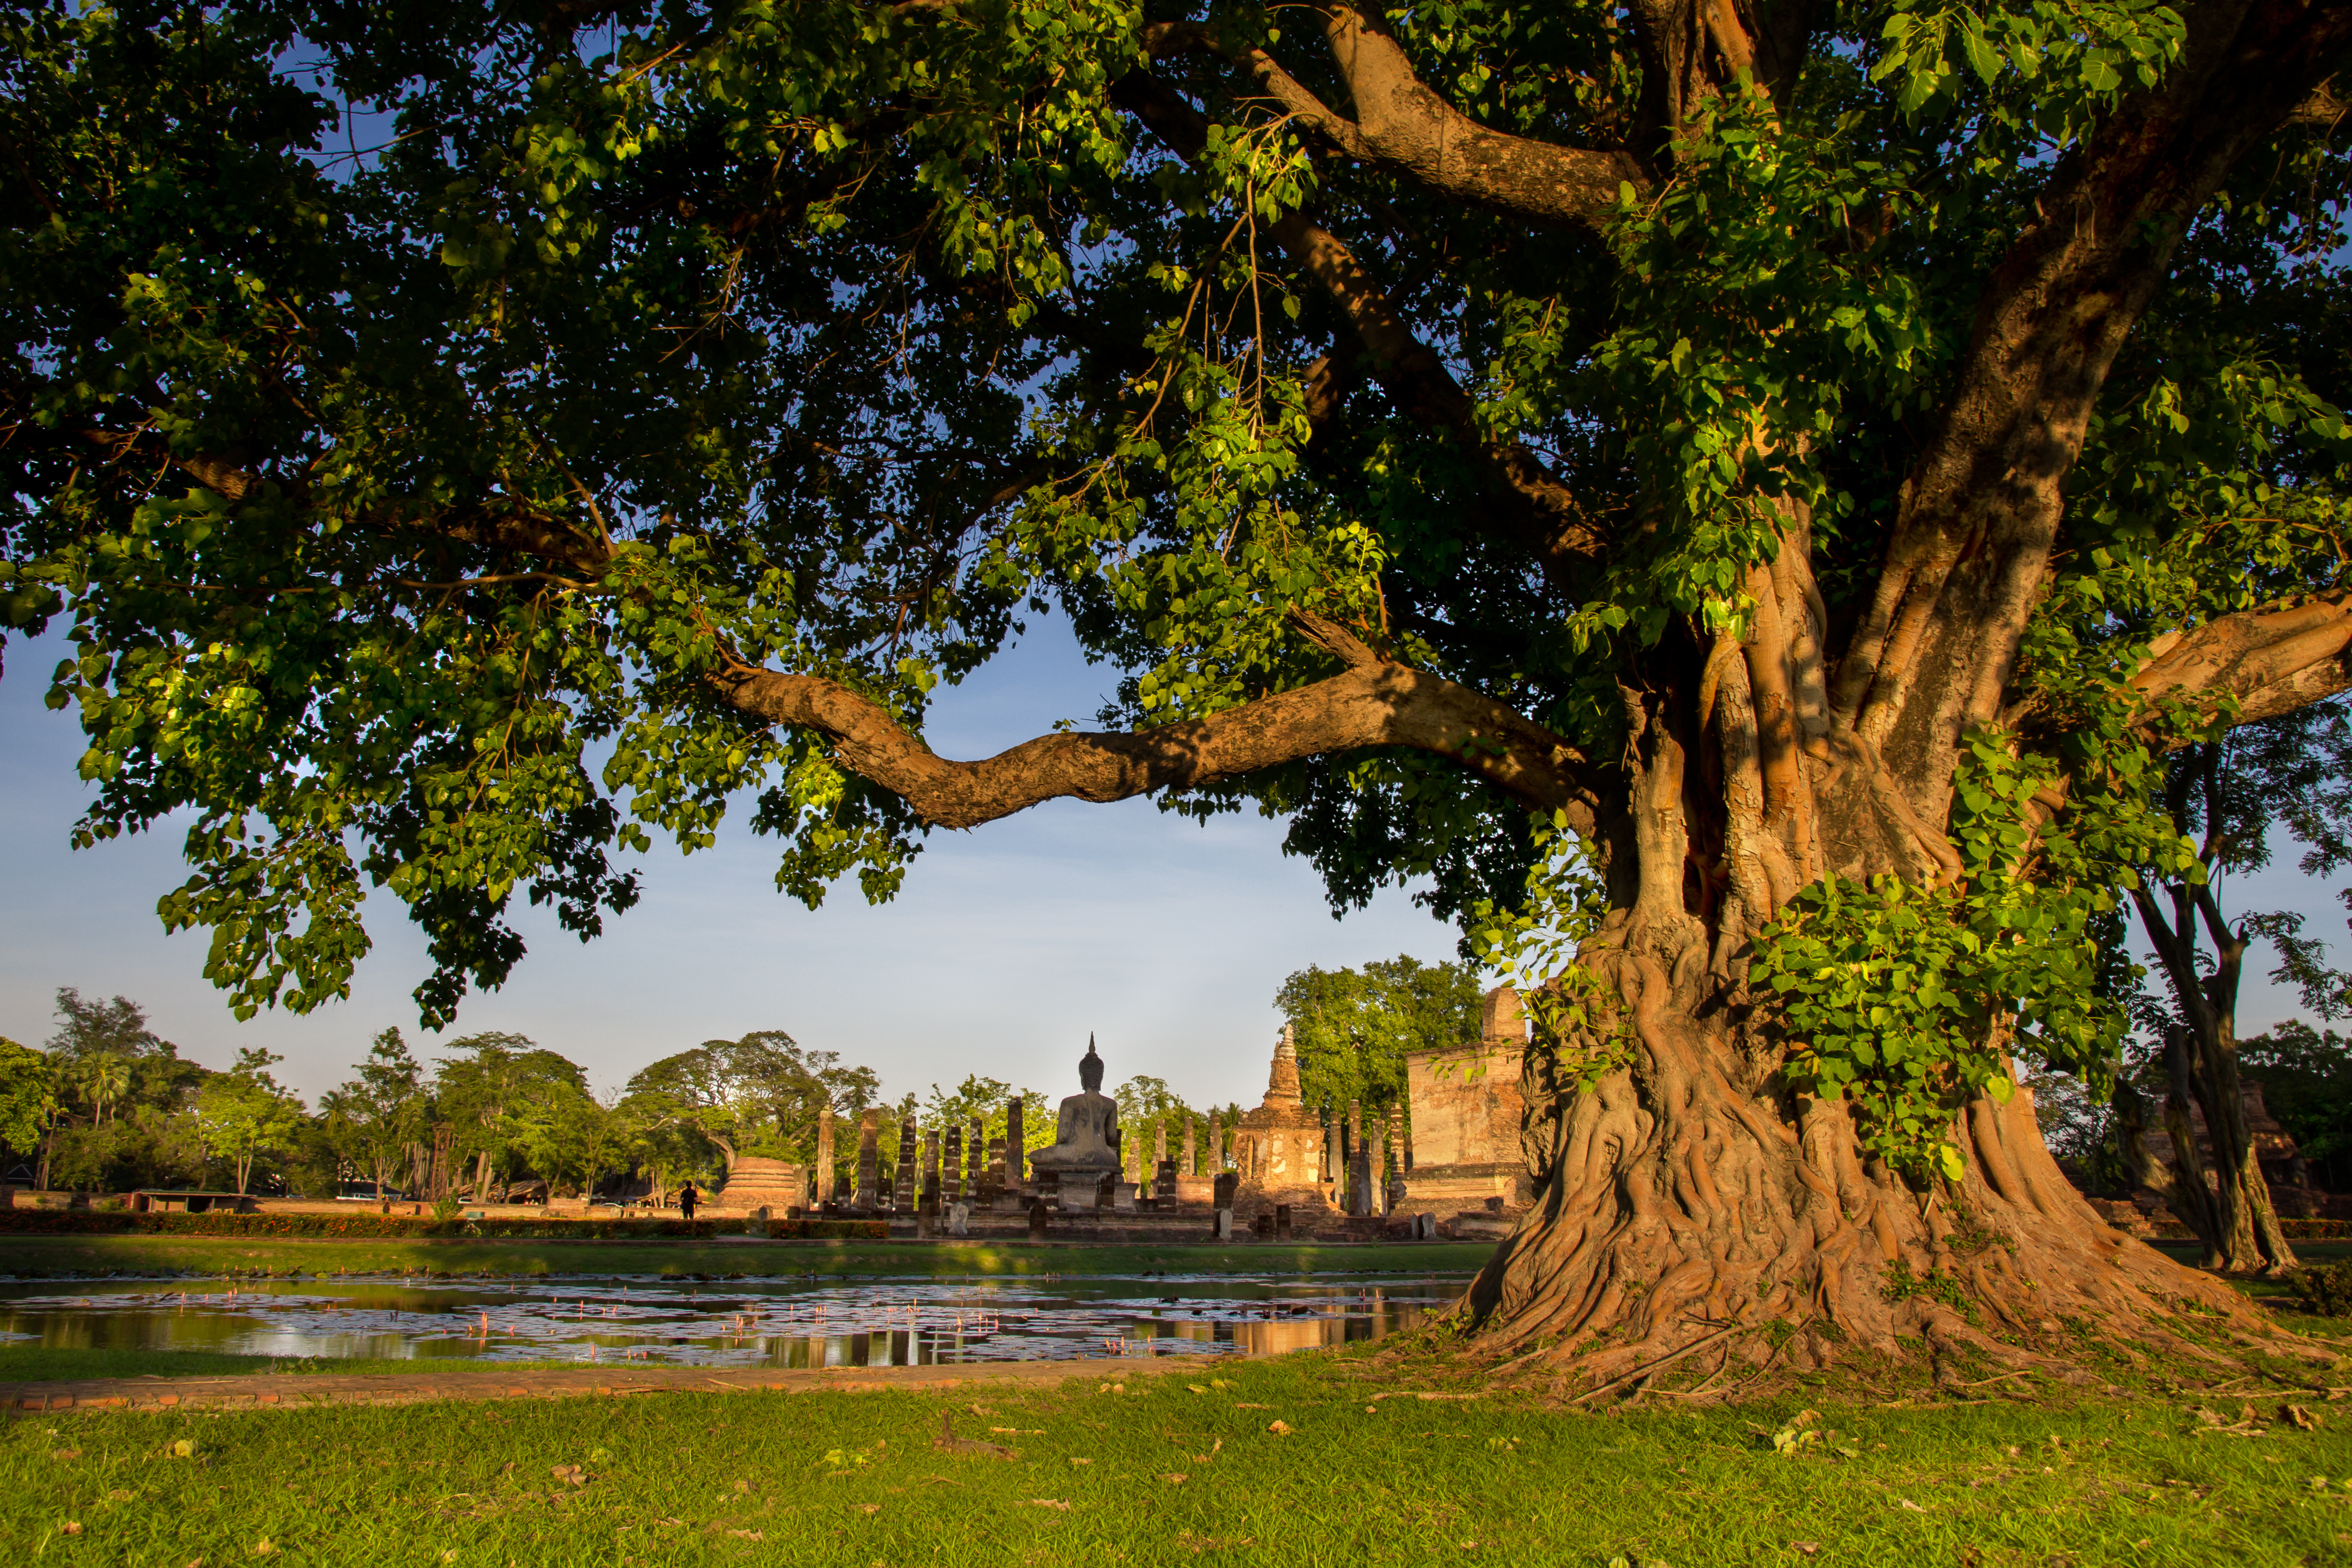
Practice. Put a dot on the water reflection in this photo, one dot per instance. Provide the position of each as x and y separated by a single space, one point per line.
751 1323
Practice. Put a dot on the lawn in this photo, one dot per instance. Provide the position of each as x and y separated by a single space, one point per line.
1289 1461
45 1363
71 1256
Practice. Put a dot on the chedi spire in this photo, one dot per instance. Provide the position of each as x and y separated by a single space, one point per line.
1282 1083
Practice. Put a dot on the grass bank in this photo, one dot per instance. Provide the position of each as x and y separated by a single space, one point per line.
46 1362
84 1256
1292 1461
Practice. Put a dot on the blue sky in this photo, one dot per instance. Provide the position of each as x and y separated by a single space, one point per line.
1009 945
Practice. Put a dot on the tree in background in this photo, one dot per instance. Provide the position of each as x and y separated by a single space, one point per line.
483 1090
28 1102
2306 1078
383 1111
244 1114
759 1095
1353 1029
990 1100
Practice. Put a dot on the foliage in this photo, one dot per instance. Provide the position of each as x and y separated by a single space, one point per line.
2306 1079
27 1095
243 1113
758 1095
1533 943
378 1114
2324 1289
1354 1028
1907 1000
987 1098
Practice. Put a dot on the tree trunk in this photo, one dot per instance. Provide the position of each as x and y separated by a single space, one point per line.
2229 1207
1695 1218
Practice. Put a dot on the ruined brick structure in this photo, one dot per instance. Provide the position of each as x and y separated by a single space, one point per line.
1466 1110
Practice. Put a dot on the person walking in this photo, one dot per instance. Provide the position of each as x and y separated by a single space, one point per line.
686 1197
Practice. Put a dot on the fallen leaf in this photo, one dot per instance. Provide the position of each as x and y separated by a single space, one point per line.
1048 1503
671 1522
1239 1406
70 1527
1807 1547
747 1535
869 1508
1021 1431
1907 1503
66 1454
263 1549
118 1495
1173 1481
1280 1428
2299 1416
1075 1460
184 1449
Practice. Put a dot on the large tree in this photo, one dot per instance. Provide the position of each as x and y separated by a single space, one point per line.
1738 495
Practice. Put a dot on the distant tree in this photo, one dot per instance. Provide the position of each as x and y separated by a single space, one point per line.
2306 1079
97 1041
473 1087
381 1112
2227 795
758 1095
569 1136
28 1102
990 1099
1353 1029
244 1113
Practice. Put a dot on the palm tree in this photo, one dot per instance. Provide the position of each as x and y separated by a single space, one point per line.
104 1078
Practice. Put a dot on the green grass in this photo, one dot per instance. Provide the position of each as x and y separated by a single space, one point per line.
67 1256
45 1363
852 1478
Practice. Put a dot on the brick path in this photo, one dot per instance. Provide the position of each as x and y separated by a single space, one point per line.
291 1391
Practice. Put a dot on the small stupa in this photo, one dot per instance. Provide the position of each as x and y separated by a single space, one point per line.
1278 1147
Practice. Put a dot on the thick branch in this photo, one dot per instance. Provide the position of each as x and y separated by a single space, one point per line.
2272 660
1404 129
1376 702
1533 508
1981 508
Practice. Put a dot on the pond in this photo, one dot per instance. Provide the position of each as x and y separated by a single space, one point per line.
774 1322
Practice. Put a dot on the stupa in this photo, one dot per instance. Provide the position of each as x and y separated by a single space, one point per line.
1278 1148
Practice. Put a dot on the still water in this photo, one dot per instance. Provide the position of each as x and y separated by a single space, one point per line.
781 1322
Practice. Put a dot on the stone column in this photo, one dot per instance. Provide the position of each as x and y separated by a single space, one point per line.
977 1151
1016 1153
1400 1155
1360 1168
823 1173
930 1197
1376 1167
995 1189
1192 1166
870 1161
954 1191
1159 1142
903 1198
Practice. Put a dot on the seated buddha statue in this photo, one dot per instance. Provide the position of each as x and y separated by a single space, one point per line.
1086 1140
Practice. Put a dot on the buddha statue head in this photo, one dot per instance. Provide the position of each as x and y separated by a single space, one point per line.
1090 1069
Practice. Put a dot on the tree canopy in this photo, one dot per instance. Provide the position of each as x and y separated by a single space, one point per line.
1353 1028
1720 494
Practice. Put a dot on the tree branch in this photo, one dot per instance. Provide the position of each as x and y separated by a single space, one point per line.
1533 508
1374 702
1981 508
2272 660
